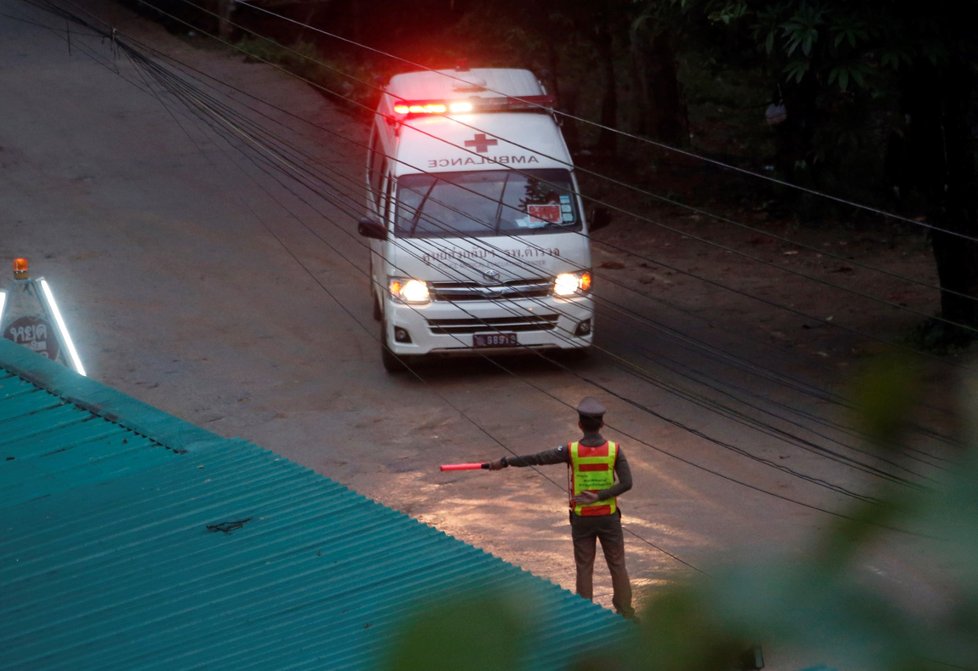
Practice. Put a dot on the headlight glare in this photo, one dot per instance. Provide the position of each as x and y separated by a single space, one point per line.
407 290
570 284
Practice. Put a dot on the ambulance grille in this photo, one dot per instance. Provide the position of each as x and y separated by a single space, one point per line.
505 324
470 291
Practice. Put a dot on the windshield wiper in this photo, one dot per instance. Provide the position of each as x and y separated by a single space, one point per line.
420 208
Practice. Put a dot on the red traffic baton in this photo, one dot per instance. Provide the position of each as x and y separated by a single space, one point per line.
463 467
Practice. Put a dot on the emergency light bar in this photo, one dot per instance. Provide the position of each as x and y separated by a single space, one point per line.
415 108
422 107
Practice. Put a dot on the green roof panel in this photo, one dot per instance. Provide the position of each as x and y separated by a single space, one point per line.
134 540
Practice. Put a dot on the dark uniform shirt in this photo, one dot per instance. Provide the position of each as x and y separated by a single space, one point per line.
561 454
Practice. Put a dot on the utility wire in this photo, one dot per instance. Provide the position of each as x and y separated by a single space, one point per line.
619 183
621 210
139 60
603 127
826 322
774 465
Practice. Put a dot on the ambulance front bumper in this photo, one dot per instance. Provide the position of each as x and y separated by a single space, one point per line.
489 327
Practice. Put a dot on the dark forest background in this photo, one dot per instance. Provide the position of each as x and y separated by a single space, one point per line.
872 102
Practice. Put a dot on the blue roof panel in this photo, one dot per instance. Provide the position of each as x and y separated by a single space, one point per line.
133 540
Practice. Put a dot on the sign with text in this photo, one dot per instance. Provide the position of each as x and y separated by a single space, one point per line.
35 333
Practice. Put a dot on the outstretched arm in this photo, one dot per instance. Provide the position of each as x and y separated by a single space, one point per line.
555 456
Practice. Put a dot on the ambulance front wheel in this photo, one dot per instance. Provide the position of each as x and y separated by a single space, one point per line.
378 314
374 299
391 363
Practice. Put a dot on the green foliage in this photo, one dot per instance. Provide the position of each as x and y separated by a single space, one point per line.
886 394
471 632
801 30
262 50
850 31
842 74
729 12
845 70
342 77
301 58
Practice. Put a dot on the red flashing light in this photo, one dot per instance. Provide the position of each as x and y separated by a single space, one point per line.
420 107
21 269
410 108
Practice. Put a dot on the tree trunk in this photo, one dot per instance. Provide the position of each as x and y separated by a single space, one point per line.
957 255
604 43
662 110
223 11
794 142
795 136
942 109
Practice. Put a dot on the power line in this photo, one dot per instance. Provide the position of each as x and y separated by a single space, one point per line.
749 456
678 270
327 292
618 183
444 398
649 220
630 136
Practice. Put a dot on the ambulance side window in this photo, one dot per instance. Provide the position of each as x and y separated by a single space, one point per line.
379 184
387 200
376 168
372 157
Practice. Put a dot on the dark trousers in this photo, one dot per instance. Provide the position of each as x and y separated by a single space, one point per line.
607 528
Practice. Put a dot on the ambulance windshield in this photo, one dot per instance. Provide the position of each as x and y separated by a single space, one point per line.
485 203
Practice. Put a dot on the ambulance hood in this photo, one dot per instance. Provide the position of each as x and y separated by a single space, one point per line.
491 260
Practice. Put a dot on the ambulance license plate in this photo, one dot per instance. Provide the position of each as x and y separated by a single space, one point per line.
494 340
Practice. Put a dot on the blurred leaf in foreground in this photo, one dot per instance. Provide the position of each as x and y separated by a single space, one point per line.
470 632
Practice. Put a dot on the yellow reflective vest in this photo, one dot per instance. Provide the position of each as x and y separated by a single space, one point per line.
593 469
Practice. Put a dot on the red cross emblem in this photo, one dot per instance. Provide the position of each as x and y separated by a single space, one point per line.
481 143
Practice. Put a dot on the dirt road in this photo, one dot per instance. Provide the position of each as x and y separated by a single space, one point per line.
198 278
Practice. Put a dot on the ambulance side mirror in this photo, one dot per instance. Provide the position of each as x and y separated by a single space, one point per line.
598 218
369 228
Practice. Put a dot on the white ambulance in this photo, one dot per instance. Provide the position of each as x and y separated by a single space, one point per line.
478 242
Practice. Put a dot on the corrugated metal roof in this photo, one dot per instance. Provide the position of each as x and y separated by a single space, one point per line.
134 540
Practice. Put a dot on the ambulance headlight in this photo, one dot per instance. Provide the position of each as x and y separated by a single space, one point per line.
407 290
572 284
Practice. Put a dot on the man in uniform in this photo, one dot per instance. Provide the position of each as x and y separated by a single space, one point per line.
592 463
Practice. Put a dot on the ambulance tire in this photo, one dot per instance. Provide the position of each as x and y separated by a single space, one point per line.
391 363
378 315
374 298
